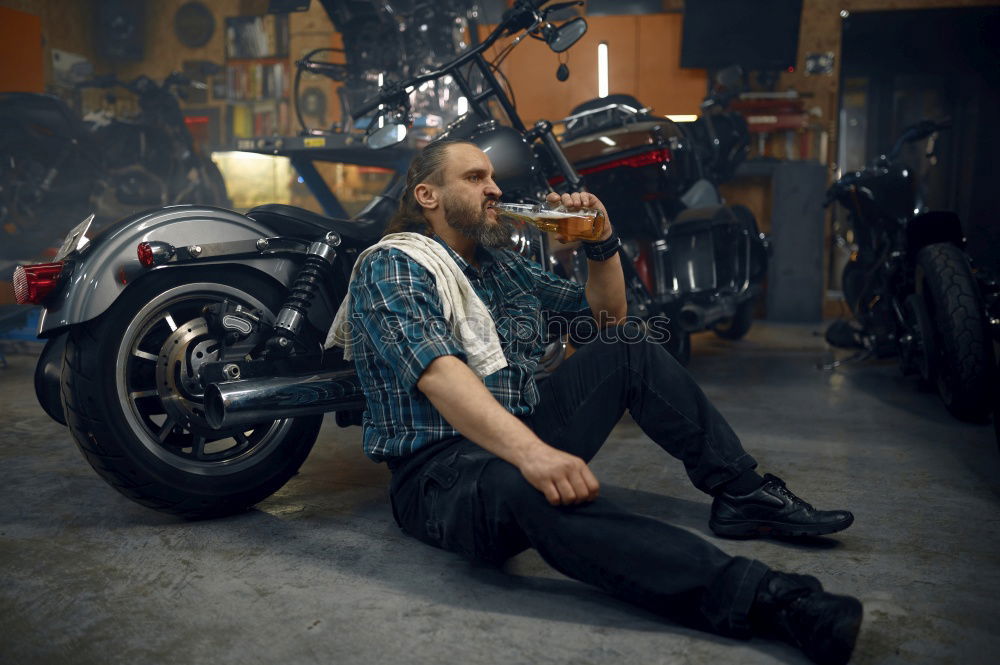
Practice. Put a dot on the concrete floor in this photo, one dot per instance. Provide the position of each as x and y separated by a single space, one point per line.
320 574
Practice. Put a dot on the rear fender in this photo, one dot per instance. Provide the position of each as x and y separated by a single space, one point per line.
47 376
109 265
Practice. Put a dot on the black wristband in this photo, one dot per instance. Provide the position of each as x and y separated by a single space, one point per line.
603 250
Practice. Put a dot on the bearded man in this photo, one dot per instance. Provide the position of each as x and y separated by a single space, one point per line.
487 462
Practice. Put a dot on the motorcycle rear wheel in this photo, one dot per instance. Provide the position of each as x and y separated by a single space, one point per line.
964 363
136 411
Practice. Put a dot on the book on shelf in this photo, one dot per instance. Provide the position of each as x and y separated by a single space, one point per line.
255 80
261 118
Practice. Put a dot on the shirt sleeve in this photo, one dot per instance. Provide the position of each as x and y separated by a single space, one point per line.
396 310
557 295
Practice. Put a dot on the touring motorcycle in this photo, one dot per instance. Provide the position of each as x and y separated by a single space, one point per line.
912 289
184 344
689 256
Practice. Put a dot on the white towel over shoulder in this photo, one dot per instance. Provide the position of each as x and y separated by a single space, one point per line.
466 315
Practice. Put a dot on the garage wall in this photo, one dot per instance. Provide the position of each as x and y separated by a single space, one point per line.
643 60
21 52
820 31
64 25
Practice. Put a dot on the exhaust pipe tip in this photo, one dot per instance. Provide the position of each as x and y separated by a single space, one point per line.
692 318
215 408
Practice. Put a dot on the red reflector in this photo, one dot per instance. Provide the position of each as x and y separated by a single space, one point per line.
145 252
658 156
33 283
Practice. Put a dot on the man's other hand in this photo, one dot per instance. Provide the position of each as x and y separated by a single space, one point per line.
564 479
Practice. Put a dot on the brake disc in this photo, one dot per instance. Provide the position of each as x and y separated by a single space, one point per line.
178 382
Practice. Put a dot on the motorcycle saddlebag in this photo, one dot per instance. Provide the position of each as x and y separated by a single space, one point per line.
707 251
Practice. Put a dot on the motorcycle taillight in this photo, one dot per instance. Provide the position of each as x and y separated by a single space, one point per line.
32 284
154 253
145 253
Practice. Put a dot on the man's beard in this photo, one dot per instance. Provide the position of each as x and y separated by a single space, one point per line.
474 223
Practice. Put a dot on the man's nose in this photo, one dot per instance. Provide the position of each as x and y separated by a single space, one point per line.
492 189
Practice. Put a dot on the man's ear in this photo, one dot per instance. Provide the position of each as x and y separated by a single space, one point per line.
427 196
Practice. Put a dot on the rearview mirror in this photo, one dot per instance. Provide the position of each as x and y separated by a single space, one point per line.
567 34
388 135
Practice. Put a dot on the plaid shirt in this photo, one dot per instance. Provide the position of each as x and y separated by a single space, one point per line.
397 330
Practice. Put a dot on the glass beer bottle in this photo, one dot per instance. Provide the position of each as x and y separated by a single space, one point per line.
583 224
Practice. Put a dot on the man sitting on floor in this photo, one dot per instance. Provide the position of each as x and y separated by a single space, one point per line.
486 462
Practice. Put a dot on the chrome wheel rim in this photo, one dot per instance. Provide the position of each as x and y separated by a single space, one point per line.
156 377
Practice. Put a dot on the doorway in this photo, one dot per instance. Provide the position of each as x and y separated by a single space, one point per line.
899 67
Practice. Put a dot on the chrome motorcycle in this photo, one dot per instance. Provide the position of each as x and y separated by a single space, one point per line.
687 254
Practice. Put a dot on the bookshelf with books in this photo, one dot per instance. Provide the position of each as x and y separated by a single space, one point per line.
257 76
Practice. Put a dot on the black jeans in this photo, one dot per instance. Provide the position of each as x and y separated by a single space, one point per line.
457 496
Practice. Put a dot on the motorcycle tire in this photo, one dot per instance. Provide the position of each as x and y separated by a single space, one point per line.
738 325
214 185
131 398
964 363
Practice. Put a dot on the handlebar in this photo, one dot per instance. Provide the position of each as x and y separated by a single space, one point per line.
522 16
918 132
139 84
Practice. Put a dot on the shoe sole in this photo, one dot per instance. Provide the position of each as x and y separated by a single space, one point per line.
755 529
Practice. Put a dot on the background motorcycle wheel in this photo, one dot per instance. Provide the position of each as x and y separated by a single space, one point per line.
964 364
135 410
212 188
737 325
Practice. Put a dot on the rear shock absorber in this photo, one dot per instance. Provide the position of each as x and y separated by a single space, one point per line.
319 258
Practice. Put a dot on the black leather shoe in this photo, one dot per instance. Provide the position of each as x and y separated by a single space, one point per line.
824 625
772 509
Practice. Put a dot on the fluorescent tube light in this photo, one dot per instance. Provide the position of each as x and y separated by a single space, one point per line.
602 69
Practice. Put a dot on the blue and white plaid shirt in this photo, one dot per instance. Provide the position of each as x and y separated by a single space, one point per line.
398 329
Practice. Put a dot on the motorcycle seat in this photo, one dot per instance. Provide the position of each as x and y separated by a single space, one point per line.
301 223
359 232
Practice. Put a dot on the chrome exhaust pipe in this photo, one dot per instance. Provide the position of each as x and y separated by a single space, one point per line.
232 403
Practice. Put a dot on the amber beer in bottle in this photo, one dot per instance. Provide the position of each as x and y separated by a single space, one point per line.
583 224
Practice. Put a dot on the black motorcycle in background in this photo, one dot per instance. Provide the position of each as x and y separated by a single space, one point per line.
690 256
55 167
912 289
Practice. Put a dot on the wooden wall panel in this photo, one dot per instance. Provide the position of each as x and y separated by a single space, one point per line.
531 68
164 53
66 25
23 68
661 83
643 60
